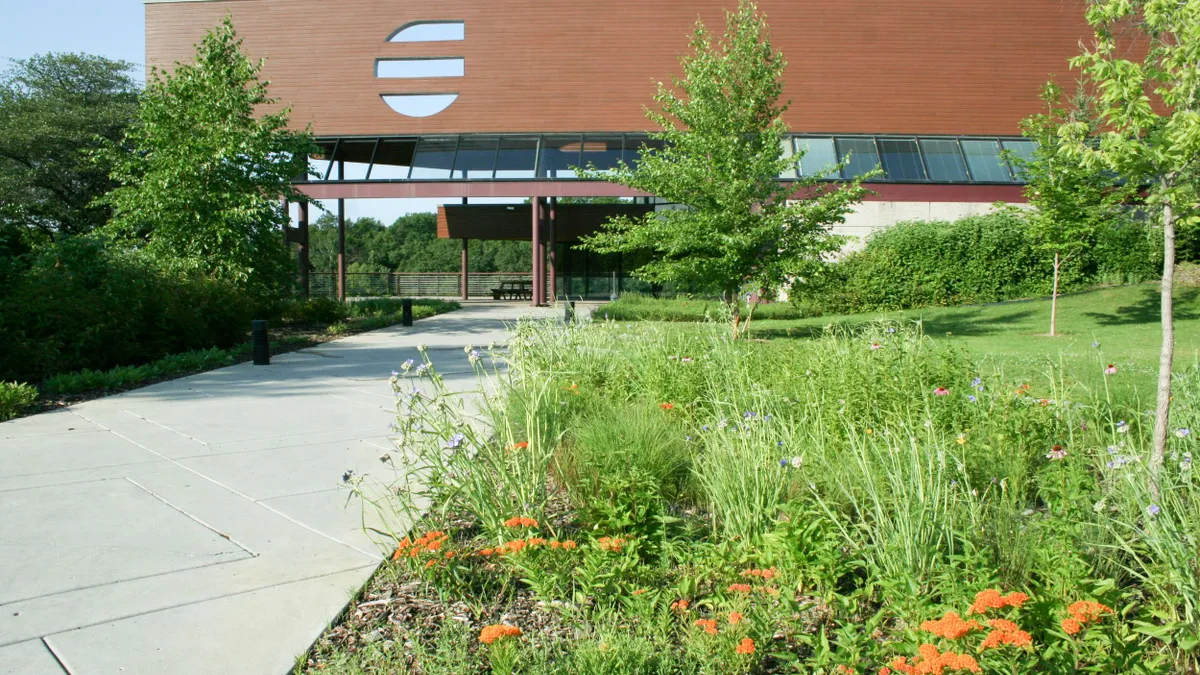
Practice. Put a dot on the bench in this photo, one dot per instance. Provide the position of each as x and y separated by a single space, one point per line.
513 290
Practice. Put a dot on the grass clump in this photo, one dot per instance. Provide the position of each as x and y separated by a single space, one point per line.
868 499
15 398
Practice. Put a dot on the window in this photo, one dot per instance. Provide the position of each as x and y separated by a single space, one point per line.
901 159
788 151
434 158
516 158
558 155
944 160
476 159
983 159
419 105
354 157
860 156
818 157
603 151
1022 150
430 31
412 68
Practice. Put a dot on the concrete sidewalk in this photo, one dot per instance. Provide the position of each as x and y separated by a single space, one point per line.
198 526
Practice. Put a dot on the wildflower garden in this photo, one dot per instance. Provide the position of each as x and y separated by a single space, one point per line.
640 498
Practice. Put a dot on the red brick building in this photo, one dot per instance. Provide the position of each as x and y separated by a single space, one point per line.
455 100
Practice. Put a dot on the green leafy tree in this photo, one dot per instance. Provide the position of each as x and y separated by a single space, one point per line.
1149 109
202 188
721 154
55 110
1073 200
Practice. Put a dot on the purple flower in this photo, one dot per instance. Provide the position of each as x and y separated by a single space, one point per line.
783 463
971 398
1095 345
749 414
704 428
1153 510
455 441
1183 433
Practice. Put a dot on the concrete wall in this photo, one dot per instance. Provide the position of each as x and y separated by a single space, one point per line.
876 215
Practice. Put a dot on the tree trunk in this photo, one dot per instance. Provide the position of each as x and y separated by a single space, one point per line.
1054 297
1163 411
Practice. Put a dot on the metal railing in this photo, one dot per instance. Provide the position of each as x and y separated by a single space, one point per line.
480 285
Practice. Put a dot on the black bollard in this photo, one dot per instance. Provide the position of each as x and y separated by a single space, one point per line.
569 313
261 343
406 318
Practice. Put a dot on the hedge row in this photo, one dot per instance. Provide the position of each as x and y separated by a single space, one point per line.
977 259
78 305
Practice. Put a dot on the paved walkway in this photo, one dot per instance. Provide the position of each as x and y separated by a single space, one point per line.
198 526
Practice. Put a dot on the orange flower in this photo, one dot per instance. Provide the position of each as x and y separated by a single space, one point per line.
845 670
611 544
498 631
639 591
1071 626
885 671
709 625
739 588
1005 633
569 545
951 626
518 446
667 406
1086 611
993 599
399 552
735 618
536 541
520 521
931 662
487 551
680 605
746 646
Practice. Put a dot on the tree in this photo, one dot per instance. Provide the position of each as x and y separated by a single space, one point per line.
721 137
202 188
55 110
1150 110
1072 200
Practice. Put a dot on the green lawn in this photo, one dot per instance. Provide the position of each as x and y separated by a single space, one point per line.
1123 320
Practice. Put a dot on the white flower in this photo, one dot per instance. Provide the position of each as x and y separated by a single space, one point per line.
468 349
796 462
422 348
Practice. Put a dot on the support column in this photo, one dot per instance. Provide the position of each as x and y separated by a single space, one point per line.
341 260
302 237
536 204
466 279
552 246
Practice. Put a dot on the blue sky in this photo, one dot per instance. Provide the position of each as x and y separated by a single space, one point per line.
112 28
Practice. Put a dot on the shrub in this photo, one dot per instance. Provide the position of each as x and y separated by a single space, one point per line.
977 259
82 306
15 397
313 311
125 377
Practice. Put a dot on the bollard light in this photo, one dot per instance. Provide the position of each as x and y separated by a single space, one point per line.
569 312
261 343
406 317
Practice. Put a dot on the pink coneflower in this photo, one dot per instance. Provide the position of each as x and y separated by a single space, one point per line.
941 391
876 345
1110 370
1056 453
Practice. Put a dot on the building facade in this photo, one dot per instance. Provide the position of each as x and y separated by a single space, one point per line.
455 99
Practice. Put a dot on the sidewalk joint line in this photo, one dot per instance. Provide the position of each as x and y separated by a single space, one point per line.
231 489
219 533
163 426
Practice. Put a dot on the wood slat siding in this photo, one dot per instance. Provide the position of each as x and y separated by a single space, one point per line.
865 66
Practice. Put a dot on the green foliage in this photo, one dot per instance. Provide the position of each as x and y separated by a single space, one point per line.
410 244
15 397
201 188
127 377
83 305
314 311
1073 201
977 259
719 154
55 110
623 467
634 307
